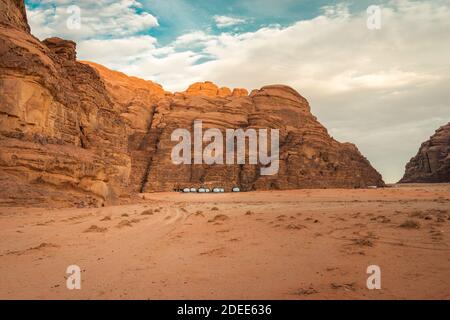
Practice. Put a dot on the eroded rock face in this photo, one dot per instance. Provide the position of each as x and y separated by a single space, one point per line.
142 104
432 162
309 157
78 133
211 90
13 14
61 136
64 48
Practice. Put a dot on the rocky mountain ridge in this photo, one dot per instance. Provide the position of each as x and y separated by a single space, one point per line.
76 132
432 162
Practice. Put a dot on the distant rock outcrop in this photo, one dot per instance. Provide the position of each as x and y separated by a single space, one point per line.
61 136
432 162
79 133
64 48
209 89
309 157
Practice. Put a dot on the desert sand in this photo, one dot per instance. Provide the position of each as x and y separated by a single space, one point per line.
299 244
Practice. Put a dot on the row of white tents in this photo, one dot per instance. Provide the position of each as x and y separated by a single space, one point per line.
207 190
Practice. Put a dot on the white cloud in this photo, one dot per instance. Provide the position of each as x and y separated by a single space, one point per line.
224 21
116 52
192 38
104 18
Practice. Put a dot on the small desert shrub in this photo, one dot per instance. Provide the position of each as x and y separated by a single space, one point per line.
418 214
219 217
95 228
199 214
364 242
295 227
305 292
410 224
124 223
148 212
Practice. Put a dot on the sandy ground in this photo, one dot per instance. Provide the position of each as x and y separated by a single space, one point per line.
302 244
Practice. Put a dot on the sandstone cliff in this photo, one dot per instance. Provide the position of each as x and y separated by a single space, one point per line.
432 162
13 14
61 136
309 157
79 133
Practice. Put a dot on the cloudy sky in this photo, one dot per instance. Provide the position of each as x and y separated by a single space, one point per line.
386 90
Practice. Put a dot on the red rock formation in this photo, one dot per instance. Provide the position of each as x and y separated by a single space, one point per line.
224 92
61 136
63 48
310 158
142 103
209 89
13 15
71 130
240 92
432 162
